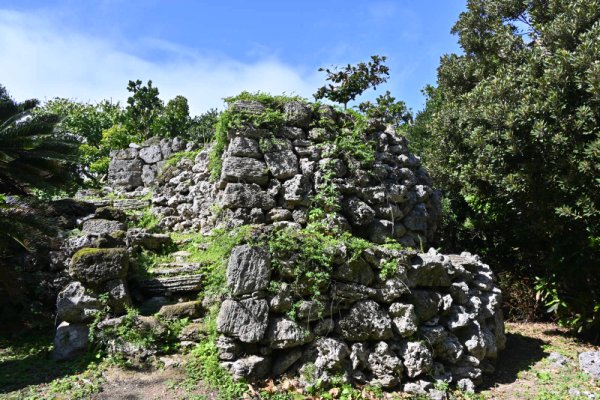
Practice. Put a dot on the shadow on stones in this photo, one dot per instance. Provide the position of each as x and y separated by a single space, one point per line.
29 362
520 354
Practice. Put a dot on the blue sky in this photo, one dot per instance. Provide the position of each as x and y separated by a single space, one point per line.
206 50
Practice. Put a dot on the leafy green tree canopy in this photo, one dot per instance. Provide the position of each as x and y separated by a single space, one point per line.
353 80
513 133
144 108
33 154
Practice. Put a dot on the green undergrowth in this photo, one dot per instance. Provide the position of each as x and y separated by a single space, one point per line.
146 219
175 158
204 365
307 255
212 253
27 370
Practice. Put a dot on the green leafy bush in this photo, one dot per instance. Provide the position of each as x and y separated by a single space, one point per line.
511 136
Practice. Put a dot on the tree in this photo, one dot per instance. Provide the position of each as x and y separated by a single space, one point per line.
90 122
175 119
33 154
514 126
388 110
353 80
144 108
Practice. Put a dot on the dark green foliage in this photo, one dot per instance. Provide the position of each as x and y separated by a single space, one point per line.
33 155
99 127
202 127
143 108
353 80
511 134
174 120
387 109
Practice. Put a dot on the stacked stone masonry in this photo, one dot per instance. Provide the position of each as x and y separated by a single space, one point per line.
437 317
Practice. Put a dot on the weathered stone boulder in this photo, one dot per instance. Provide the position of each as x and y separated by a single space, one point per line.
366 320
417 358
404 319
283 333
589 362
244 195
249 270
252 367
186 309
385 366
298 114
70 341
245 320
244 170
97 226
73 304
96 266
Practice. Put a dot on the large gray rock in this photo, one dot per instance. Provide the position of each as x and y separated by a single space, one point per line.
298 114
589 362
426 303
366 320
249 270
248 107
358 212
98 226
285 360
282 164
125 173
418 360
70 341
151 154
73 304
379 230
331 354
404 319
251 367
166 286
149 173
229 349
284 333
245 320
96 266
446 346
296 191
430 269
118 296
356 271
416 220
245 170
385 365
243 195
244 147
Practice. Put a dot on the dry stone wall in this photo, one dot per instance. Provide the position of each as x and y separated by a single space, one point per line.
138 165
435 318
394 318
276 176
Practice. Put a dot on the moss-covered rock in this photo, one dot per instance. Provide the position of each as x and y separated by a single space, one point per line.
96 266
189 309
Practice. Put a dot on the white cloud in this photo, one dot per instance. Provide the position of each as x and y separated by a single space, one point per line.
42 59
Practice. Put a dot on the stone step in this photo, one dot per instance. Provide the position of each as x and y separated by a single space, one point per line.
180 256
169 285
130 204
170 269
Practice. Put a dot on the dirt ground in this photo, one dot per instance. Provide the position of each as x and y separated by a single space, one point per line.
526 369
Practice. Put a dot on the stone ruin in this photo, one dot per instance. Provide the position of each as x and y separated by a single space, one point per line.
435 317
